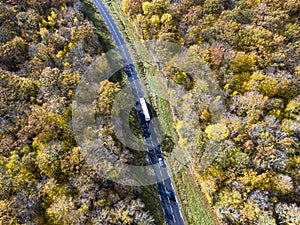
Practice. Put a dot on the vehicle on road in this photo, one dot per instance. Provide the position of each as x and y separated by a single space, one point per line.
161 162
146 132
171 195
129 69
145 109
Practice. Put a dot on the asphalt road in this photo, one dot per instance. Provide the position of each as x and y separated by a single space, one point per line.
165 188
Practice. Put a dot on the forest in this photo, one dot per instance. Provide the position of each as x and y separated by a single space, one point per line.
45 48
246 158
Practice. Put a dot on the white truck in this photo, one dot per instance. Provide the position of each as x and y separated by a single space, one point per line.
145 109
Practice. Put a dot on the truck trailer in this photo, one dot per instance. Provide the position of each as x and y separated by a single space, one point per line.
145 109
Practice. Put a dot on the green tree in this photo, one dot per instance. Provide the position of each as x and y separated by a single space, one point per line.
212 6
269 86
239 160
48 158
243 63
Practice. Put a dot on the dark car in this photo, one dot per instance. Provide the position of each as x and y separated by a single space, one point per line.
129 69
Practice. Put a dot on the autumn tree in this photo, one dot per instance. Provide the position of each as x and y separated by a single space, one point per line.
107 93
14 53
132 8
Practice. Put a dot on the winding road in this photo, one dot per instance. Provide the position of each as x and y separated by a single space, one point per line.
164 184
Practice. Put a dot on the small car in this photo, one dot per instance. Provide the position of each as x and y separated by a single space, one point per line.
161 162
171 195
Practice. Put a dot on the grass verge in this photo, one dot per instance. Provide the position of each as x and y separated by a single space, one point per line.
194 206
152 203
100 28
